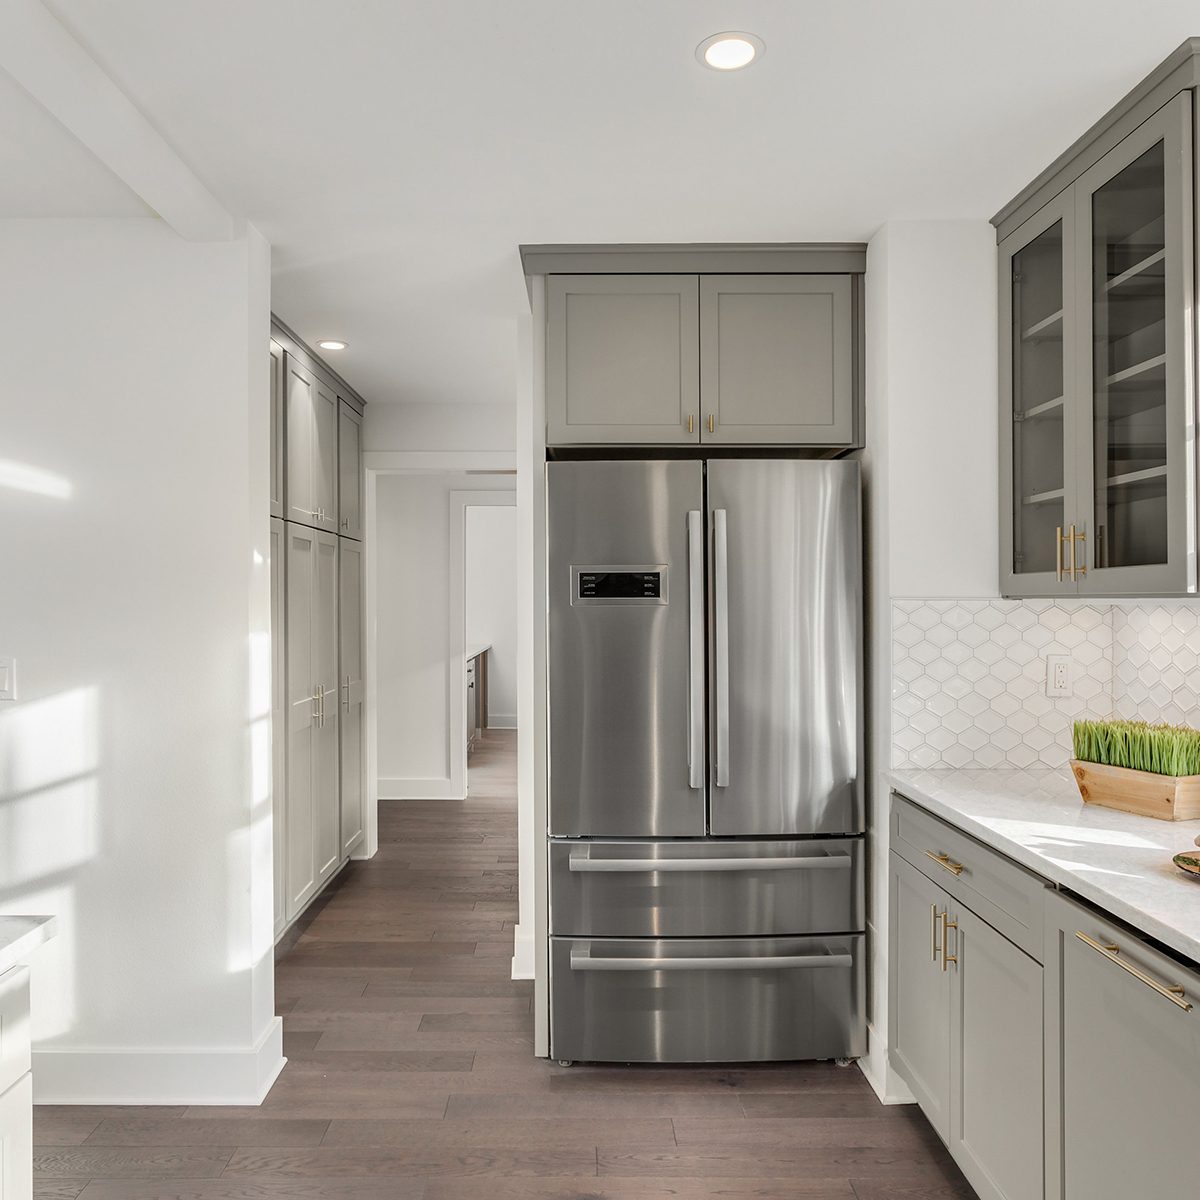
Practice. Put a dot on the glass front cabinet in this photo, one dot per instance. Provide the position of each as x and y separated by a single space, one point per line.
1097 430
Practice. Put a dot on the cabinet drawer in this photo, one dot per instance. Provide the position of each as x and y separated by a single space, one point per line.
1004 894
706 1000
710 889
14 1025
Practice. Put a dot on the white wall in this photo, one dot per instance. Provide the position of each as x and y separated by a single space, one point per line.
414 671
930 473
491 580
439 426
134 769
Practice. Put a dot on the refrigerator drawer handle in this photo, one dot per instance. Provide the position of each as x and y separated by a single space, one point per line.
583 961
580 862
695 704
721 644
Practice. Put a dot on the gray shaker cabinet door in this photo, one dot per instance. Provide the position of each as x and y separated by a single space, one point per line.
325 457
350 523
279 721
996 1125
277 377
777 359
302 707
300 387
1123 1063
622 359
350 570
919 991
326 780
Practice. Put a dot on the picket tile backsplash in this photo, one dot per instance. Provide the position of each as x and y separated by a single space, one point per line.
968 676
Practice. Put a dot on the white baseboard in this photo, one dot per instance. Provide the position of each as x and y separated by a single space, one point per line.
523 958
71 1075
418 789
502 720
887 1085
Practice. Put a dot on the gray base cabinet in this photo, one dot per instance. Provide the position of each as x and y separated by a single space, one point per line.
279 720
351 727
965 1008
1123 1082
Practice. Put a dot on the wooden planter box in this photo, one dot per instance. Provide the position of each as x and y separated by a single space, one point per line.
1167 797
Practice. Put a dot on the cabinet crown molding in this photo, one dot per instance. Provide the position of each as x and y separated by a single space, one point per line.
696 258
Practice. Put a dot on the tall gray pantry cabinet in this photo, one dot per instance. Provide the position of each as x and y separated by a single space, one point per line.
318 755
1097 276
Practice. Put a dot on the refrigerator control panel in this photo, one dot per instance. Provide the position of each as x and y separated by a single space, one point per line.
619 585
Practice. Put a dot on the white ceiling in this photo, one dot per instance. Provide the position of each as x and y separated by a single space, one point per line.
396 152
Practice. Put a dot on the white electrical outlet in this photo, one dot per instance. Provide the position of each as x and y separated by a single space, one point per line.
1058 675
8 678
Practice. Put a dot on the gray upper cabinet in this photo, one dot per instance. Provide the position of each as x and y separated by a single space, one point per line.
777 359
1123 1062
621 359
350 522
277 421
311 435
1097 391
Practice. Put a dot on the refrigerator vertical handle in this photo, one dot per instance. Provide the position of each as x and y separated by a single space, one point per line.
695 707
721 644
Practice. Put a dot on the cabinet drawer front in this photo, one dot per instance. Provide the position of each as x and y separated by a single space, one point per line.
1128 1062
1004 894
709 889
14 1025
707 1000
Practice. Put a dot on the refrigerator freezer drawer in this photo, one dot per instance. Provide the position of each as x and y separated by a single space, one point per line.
706 889
707 1000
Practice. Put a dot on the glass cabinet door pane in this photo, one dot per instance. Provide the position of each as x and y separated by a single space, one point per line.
1130 365
1038 404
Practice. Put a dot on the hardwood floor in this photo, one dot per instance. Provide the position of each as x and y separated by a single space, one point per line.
410 1073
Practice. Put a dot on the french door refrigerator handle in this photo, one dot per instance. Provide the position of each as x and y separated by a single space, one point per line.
583 961
695 744
721 643
581 863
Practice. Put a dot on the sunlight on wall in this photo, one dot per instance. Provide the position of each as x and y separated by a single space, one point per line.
22 477
49 828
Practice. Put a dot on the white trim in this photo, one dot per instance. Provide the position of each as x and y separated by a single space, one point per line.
166 1075
497 462
60 74
456 657
501 720
420 789
524 960
877 1071
370 843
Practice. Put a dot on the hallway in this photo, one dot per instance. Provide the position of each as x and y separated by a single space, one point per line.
410 1076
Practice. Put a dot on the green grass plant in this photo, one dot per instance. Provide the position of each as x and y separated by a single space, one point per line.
1162 749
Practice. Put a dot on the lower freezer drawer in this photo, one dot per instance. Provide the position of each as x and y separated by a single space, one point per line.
706 888
707 1000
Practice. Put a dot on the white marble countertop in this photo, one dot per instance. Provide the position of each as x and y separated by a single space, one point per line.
1117 861
19 936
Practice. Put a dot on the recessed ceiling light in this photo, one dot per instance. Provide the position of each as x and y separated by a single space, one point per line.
729 51
331 344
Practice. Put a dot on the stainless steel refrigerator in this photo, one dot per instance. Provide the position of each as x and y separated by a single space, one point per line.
705 738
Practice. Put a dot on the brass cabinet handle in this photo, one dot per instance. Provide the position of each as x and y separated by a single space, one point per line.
1076 567
691 423
1173 992
947 958
933 933
1058 554
944 860
712 423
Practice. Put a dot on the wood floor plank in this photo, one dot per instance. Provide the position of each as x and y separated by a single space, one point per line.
411 1073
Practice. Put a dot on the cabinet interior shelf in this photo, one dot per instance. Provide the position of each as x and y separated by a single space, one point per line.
1044 497
1140 274
1152 370
1128 478
1044 330
1046 408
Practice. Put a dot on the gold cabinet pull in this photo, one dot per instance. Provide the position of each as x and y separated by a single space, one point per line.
712 423
933 933
1058 554
947 958
944 860
1076 567
691 423
1173 992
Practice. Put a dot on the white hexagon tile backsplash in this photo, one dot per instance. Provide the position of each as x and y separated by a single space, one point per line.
969 676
